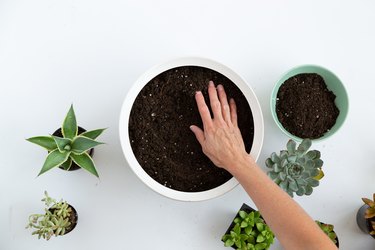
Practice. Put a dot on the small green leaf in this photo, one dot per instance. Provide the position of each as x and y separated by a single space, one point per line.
55 158
62 143
242 214
260 238
69 128
66 165
93 134
85 162
260 226
243 224
229 243
81 144
46 142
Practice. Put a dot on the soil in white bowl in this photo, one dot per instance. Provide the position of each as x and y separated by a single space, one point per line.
159 128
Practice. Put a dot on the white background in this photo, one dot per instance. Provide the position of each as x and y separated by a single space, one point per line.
89 52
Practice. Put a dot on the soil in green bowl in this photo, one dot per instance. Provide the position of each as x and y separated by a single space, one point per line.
305 107
159 128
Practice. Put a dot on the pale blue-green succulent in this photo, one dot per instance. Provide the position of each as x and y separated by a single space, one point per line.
296 170
72 147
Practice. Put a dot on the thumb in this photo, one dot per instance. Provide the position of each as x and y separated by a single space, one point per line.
198 133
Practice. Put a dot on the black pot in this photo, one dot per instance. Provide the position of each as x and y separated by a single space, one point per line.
245 208
363 223
80 131
337 238
73 219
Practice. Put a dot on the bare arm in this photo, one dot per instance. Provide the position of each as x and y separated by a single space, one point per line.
222 142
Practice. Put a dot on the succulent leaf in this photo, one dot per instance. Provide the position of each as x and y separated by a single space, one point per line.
55 158
291 146
275 158
69 128
85 162
66 165
62 143
93 134
269 163
305 145
46 142
81 144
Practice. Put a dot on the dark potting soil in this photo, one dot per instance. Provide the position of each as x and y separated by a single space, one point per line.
305 107
159 128
74 166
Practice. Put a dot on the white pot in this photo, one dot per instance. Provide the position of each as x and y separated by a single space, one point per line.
148 76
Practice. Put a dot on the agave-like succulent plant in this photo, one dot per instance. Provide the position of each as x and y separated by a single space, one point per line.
296 170
69 148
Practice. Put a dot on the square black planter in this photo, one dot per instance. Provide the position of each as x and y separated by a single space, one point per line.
245 208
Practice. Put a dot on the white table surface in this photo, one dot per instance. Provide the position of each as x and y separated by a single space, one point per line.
54 53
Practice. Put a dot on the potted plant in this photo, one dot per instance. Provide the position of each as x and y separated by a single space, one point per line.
309 101
328 229
296 170
70 147
154 128
59 218
248 231
366 216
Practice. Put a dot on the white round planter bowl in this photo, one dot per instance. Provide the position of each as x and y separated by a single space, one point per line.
148 76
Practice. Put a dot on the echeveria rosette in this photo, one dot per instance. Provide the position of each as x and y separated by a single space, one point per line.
250 232
296 170
69 148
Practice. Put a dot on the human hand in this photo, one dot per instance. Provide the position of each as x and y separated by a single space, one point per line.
221 139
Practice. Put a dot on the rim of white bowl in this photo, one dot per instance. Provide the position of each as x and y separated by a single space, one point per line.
148 76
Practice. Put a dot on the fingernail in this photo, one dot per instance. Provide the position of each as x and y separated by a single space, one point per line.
191 127
198 92
220 87
211 83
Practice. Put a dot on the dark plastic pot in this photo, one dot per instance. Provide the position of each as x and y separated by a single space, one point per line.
363 223
337 238
245 208
80 131
73 219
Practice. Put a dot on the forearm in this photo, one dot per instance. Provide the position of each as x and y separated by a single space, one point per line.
291 224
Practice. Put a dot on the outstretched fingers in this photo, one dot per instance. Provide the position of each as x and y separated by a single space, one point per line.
225 110
214 101
203 110
233 112
199 134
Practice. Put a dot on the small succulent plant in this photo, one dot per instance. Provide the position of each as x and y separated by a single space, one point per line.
69 148
250 232
328 230
55 221
370 212
296 170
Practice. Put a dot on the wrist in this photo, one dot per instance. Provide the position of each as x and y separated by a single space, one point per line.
242 164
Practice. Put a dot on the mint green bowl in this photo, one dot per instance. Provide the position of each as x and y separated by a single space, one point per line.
333 83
